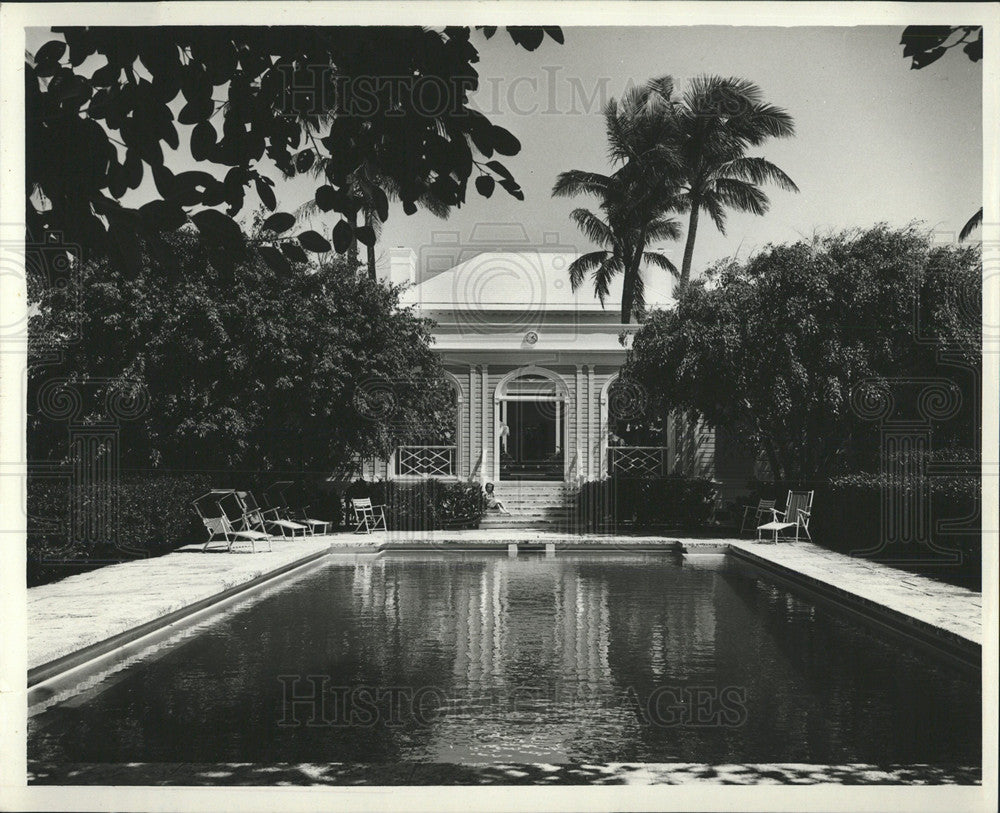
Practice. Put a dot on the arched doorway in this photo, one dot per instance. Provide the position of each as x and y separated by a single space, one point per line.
530 426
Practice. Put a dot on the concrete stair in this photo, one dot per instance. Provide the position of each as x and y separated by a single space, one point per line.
532 504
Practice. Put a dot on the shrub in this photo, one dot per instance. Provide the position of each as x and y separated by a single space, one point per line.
675 501
847 517
424 505
154 517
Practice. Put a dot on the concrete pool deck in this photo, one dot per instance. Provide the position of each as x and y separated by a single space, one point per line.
84 610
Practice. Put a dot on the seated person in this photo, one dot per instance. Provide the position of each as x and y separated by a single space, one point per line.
492 503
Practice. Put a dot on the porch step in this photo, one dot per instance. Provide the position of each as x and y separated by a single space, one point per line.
532 504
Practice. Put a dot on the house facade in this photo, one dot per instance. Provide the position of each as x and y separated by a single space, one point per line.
535 370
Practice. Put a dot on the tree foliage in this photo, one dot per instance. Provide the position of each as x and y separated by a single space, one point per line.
776 348
251 369
926 44
105 107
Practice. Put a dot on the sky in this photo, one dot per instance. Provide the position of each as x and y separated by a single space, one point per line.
875 141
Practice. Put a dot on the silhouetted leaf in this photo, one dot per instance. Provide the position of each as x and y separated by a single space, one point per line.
51 52
512 189
314 241
163 179
485 185
163 215
365 235
266 194
974 50
202 140
304 160
500 170
381 202
108 75
279 222
196 110
326 198
218 228
528 37
343 236
925 58
504 141
555 32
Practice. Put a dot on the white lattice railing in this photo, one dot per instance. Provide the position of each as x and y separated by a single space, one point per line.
425 461
637 461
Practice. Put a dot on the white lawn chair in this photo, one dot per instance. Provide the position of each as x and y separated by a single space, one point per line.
798 509
367 516
261 519
274 496
752 517
218 523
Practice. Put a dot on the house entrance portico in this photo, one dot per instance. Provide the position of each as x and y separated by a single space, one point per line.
529 411
533 364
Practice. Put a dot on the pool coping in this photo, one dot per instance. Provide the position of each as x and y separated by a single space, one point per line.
97 655
957 648
94 656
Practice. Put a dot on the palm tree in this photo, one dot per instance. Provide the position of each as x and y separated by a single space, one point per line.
633 200
718 119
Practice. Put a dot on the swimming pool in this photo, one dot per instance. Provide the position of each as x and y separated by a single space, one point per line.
476 658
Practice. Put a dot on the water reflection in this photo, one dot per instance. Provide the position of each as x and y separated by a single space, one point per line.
480 658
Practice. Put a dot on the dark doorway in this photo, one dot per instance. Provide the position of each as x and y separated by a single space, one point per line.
533 449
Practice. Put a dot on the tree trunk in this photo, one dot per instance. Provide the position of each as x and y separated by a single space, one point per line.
370 249
689 248
628 294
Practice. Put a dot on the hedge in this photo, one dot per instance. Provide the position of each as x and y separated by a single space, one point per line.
154 517
421 506
847 517
674 502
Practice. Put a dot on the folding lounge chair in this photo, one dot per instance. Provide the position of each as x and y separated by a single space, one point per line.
218 523
262 519
752 517
274 496
798 509
368 516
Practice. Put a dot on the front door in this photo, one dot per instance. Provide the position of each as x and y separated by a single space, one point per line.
532 448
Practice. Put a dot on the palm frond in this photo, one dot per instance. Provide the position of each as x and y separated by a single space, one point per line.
638 293
757 171
740 195
604 274
660 261
974 222
663 229
597 230
578 182
583 265
767 121
716 211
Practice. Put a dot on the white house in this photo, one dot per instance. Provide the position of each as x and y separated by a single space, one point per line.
534 366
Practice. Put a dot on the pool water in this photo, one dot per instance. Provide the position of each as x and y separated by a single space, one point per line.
480 658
